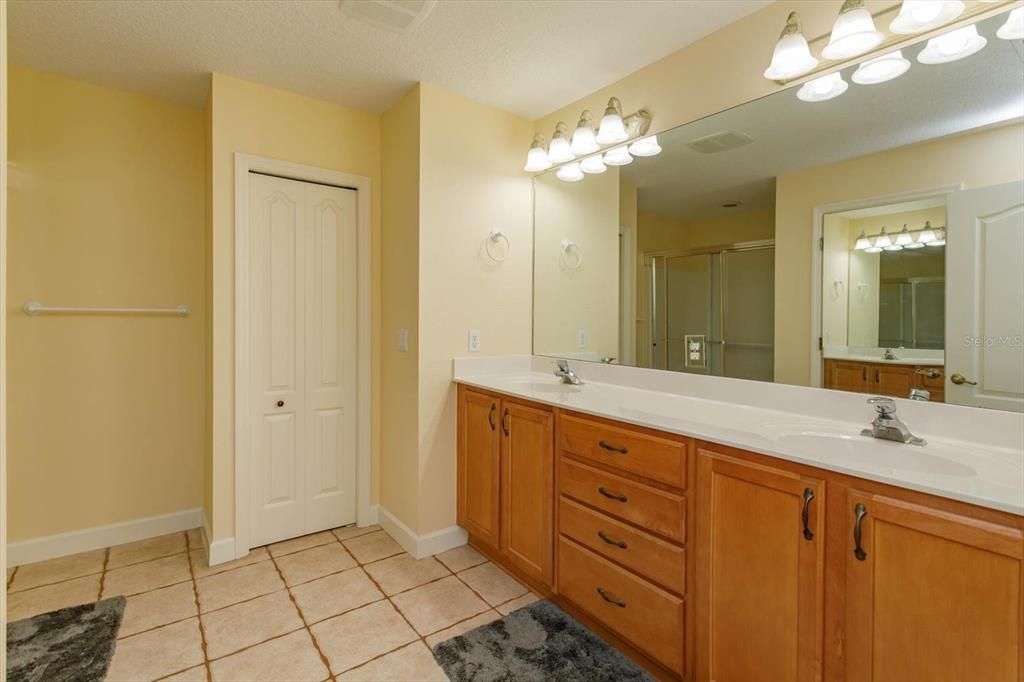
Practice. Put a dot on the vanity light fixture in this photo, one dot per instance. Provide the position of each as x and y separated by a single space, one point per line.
559 150
917 16
881 69
792 57
952 46
863 243
873 249
570 172
883 240
618 156
1013 29
645 146
583 141
593 165
537 158
853 33
927 235
612 128
904 238
824 88
940 239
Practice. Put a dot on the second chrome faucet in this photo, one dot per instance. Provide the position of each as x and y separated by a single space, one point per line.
887 426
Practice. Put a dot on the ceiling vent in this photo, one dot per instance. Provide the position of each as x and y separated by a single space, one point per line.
719 142
398 16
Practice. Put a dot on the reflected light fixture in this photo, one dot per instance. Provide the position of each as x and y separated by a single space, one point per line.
612 128
927 235
593 165
922 15
537 157
904 238
940 239
792 57
645 146
883 240
570 172
863 242
952 46
822 89
559 150
1013 29
881 69
618 156
583 141
853 33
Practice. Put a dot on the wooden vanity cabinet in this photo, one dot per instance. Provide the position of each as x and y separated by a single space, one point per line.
847 376
884 378
479 465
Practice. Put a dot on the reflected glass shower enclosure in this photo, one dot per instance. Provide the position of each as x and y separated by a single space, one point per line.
713 310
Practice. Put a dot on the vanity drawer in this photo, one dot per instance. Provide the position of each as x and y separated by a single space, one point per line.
655 559
653 509
641 613
629 449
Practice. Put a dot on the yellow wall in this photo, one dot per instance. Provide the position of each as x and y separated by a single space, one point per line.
3 322
106 208
980 159
257 119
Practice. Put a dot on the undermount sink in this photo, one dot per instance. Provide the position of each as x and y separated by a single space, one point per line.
841 447
549 387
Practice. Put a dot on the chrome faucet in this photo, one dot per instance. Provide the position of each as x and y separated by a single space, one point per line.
566 374
886 426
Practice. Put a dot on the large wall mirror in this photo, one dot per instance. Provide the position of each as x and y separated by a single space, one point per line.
871 242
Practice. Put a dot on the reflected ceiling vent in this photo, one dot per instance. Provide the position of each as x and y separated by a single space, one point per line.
719 142
397 16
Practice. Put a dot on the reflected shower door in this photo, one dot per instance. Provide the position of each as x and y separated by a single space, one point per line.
688 289
748 314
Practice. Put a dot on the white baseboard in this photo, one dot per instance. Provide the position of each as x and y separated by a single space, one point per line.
221 551
63 544
421 546
372 516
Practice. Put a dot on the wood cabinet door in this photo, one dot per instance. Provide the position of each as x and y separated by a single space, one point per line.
931 595
528 489
846 376
893 380
760 572
479 464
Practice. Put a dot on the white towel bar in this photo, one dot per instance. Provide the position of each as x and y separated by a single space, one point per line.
37 308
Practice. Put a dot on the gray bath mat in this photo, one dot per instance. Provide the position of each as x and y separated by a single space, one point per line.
70 645
538 642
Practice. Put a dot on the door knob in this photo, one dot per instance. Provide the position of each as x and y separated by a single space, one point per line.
959 379
280 403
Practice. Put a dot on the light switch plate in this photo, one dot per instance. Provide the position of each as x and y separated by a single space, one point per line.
403 340
474 340
695 350
581 338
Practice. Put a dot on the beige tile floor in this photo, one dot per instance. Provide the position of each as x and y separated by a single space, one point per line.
347 604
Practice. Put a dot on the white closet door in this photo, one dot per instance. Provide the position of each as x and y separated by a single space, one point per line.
302 346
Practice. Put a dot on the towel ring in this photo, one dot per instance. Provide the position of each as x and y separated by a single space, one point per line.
494 238
567 246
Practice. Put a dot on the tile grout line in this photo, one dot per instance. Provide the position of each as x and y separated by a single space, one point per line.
302 616
199 619
103 573
10 578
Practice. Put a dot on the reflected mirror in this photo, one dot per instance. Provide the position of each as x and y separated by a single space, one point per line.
873 242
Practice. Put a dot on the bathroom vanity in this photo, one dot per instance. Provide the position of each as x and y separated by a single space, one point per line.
723 542
884 378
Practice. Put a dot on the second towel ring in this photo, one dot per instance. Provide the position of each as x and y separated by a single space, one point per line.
568 246
493 239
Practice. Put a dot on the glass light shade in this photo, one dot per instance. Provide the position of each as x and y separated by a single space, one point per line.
570 173
612 129
1013 29
927 235
619 156
874 249
922 15
853 33
822 89
593 165
559 150
792 57
883 240
645 146
904 238
583 141
952 46
914 245
537 160
893 247
862 242
881 69
940 239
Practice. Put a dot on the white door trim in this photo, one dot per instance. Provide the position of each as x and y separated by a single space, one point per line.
244 163
817 233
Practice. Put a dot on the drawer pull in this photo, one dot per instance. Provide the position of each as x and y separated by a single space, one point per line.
614 448
808 496
611 541
611 600
611 495
860 511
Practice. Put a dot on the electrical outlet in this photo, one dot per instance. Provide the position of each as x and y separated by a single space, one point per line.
581 338
474 340
403 340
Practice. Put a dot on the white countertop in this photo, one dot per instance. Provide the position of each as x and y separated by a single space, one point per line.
981 474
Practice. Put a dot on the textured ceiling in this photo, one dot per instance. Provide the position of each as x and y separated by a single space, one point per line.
925 103
529 57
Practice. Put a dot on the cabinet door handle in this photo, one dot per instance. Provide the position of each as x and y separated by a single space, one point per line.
860 511
611 495
504 421
805 514
611 600
490 416
614 448
876 376
865 375
611 541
